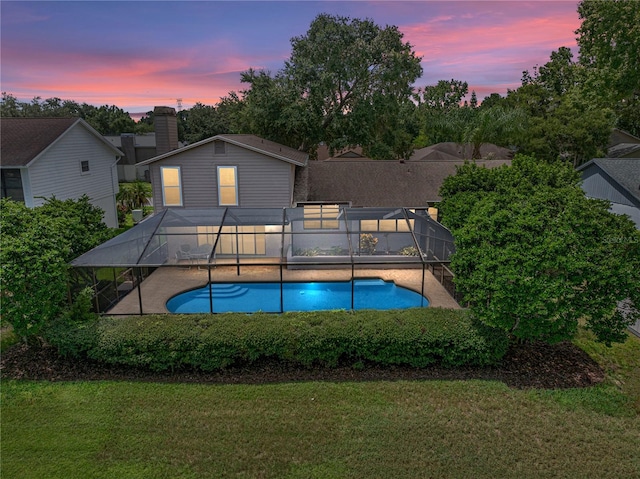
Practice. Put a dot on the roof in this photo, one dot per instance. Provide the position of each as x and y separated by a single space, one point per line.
620 136
628 150
251 142
146 140
138 246
24 139
624 171
365 182
450 151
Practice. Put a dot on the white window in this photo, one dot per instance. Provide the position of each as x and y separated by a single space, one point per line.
84 167
390 225
171 186
245 240
321 216
227 186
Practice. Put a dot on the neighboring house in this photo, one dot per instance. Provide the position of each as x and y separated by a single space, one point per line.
458 152
225 170
616 180
61 157
139 148
136 148
623 145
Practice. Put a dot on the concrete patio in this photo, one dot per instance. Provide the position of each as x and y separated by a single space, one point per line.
166 282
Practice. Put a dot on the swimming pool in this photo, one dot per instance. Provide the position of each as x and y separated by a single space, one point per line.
308 296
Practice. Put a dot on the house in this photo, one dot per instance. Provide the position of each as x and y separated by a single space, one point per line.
135 149
139 148
616 180
61 157
225 170
623 145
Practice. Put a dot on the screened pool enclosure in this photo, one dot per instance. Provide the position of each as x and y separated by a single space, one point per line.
181 249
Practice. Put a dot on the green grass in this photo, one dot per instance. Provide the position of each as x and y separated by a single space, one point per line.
401 429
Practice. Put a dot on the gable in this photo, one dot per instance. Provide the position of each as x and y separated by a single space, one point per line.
616 180
24 140
251 143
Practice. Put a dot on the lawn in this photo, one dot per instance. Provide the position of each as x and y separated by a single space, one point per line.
385 429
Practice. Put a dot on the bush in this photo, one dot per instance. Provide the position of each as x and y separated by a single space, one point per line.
413 337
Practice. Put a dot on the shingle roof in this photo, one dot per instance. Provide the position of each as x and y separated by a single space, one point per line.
624 149
450 151
252 142
625 171
23 139
382 183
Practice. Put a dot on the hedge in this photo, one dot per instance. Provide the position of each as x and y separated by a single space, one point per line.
411 337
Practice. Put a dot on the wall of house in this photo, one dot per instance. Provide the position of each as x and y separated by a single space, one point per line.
595 184
263 181
58 172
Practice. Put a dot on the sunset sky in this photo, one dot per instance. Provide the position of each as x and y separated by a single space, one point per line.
137 55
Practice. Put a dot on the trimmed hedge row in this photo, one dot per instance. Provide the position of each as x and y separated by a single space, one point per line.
414 337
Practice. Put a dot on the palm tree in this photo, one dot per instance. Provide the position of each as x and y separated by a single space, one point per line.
493 125
478 126
134 195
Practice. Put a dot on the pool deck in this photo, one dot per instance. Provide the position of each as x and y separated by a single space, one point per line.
166 282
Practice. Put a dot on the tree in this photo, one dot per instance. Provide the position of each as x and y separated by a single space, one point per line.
609 41
36 246
339 73
479 126
609 44
134 195
444 95
534 256
107 120
570 112
202 122
434 102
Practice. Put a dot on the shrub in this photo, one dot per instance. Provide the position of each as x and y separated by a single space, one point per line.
413 337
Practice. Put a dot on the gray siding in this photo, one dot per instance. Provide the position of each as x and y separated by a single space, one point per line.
58 172
263 181
596 185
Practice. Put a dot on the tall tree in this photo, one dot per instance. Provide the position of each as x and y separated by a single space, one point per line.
339 73
609 41
201 122
107 119
479 126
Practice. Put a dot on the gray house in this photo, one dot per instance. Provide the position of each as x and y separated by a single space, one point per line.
225 170
61 157
616 180
139 148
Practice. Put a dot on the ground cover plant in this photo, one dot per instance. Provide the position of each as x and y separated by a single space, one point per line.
332 427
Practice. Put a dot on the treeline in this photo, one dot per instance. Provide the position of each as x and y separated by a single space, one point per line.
565 108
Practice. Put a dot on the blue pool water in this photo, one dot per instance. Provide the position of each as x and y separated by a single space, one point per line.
253 297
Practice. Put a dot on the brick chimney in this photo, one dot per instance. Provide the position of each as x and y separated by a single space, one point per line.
166 126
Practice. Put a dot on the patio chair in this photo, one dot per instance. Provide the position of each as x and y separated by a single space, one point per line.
184 253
